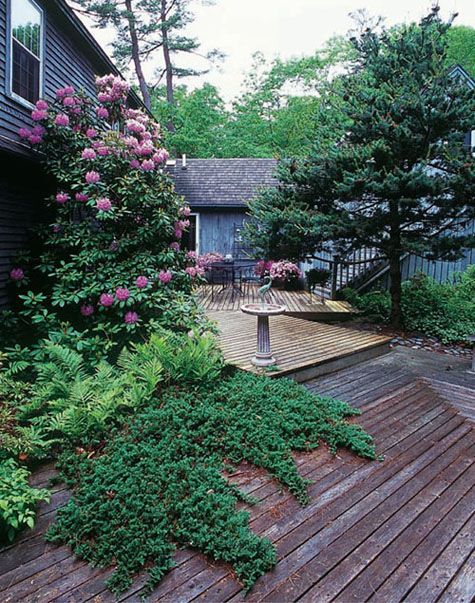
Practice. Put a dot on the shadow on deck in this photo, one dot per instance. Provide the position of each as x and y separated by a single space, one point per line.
300 304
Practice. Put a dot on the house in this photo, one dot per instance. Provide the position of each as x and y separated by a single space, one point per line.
217 191
43 47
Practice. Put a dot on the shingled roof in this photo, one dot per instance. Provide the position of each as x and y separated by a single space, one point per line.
222 182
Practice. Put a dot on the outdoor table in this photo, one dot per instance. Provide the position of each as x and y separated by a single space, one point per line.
228 271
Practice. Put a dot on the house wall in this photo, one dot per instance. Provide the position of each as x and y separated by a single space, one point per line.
64 63
23 184
217 229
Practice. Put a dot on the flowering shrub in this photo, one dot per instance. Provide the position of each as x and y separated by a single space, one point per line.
209 258
111 268
263 267
284 271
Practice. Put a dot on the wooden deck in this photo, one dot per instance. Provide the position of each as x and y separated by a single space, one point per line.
300 304
400 529
302 349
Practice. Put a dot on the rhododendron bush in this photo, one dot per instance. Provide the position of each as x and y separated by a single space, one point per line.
111 268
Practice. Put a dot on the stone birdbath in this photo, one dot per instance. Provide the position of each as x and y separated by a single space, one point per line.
263 356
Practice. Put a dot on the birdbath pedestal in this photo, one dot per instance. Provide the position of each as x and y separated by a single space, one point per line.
471 338
263 356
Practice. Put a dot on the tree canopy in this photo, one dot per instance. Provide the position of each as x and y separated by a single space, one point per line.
399 179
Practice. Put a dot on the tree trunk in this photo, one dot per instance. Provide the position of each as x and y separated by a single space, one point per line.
395 273
168 66
136 57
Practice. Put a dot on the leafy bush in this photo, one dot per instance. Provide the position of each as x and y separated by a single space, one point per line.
159 482
73 403
110 269
443 310
17 499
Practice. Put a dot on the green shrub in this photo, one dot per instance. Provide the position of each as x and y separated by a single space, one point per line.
443 310
159 481
17 499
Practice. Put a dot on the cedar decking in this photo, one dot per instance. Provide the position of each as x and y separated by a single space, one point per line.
300 304
379 531
302 349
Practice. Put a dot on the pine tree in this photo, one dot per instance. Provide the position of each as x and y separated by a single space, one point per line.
400 180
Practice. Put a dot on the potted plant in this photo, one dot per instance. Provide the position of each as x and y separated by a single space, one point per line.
285 274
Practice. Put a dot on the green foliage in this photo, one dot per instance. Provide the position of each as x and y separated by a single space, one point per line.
461 47
284 105
158 482
399 179
88 253
17 499
443 310
69 402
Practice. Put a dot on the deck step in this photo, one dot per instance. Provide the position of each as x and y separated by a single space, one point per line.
302 349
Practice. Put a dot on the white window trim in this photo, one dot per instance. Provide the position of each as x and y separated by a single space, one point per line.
10 92
197 216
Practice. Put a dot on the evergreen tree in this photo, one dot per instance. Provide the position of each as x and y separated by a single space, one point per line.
400 179
143 29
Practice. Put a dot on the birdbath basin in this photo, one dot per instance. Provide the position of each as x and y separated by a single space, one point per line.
263 356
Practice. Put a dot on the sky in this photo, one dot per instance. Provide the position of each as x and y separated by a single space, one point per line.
287 28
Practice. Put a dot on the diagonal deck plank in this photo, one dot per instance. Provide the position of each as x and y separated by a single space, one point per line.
385 531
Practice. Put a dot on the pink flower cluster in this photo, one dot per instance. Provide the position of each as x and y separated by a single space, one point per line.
209 258
104 204
106 300
262 267
141 282
81 197
88 153
165 276
111 88
130 318
283 270
92 177
87 309
66 91
62 197
122 294
17 274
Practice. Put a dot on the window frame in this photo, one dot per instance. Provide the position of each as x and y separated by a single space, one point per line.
9 56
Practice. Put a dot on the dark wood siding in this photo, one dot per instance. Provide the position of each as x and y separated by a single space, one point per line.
64 63
21 204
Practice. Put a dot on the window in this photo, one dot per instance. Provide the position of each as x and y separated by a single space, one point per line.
26 50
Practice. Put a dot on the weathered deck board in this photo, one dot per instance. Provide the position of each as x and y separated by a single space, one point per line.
300 304
298 345
383 531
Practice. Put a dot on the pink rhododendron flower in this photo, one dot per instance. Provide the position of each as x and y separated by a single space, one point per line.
122 294
56 227
131 317
17 274
141 281
66 91
92 177
38 130
77 111
148 165
61 119
87 309
106 300
175 245
178 233
42 105
192 255
135 163
102 97
68 101
104 204
38 114
103 151
102 112
88 153
62 197
81 197
35 139
24 132
191 334
185 211
164 276
134 126
157 158
76 128
190 270
200 271
91 132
